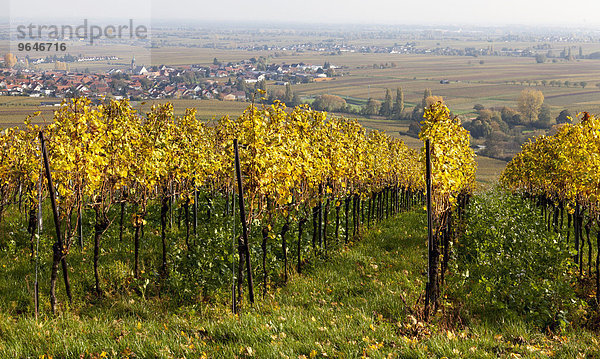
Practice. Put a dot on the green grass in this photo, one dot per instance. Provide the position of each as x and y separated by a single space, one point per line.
352 304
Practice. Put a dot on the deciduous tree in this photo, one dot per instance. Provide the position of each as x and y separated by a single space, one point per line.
530 103
329 103
564 117
10 60
371 107
398 103
386 106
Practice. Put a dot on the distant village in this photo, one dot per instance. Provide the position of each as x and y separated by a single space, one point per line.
223 81
411 48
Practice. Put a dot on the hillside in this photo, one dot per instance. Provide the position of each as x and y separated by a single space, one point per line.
358 303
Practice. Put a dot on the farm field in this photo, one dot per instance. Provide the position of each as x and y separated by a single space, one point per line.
490 84
496 82
488 80
14 110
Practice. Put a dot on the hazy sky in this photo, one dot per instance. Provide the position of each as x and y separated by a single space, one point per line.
432 12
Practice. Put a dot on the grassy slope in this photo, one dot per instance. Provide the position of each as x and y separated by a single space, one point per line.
347 306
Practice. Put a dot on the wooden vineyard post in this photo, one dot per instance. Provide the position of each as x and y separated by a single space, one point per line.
58 247
233 297
171 205
195 209
429 290
36 288
80 225
245 248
